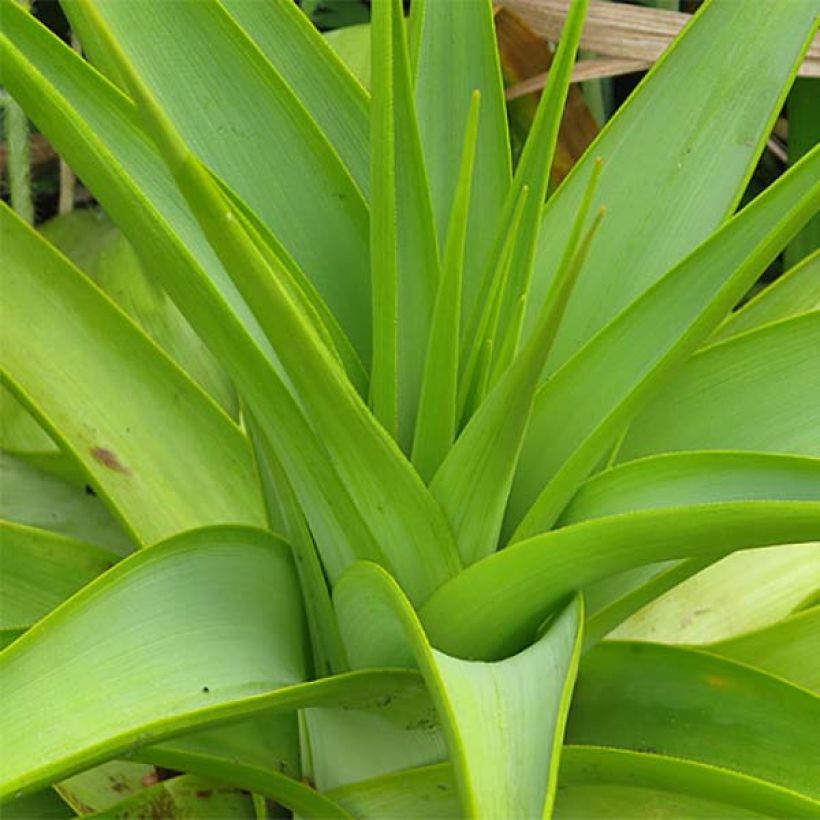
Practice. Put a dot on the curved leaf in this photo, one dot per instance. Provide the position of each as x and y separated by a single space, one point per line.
756 391
200 596
665 700
31 497
65 342
789 648
503 721
493 607
41 569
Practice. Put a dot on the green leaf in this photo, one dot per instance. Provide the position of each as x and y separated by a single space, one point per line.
230 96
216 582
502 724
582 408
664 700
599 782
64 342
678 155
436 423
473 483
42 569
404 265
757 391
317 77
455 54
30 496
493 607
773 578
96 246
789 648
44 805
593 782
534 171
796 291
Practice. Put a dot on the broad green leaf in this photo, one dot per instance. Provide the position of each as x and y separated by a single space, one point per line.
404 265
503 722
680 479
665 700
158 621
95 128
97 247
789 648
185 796
605 783
533 170
105 785
473 482
494 607
796 291
593 782
31 497
413 535
756 391
41 569
104 390
437 416
741 592
677 156
317 77
676 479
224 105
582 408
454 54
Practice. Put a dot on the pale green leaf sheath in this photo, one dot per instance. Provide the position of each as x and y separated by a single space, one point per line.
503 722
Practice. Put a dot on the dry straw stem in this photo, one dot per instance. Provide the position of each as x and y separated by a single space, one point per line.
626 38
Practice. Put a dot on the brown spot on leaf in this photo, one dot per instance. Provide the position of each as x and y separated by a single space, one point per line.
203 793
109 459
150 778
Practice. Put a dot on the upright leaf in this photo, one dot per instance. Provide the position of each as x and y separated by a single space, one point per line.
584 406
454 54
403 246
677 155
436 424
